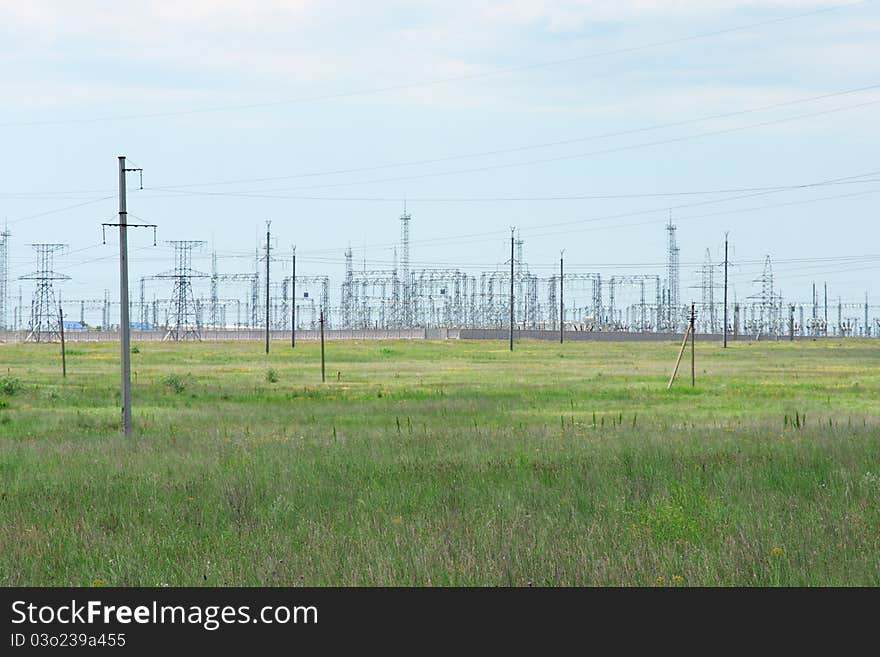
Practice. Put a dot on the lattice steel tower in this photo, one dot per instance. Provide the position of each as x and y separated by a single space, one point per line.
406 280
183 321
708 293
4 278
673 291
44 325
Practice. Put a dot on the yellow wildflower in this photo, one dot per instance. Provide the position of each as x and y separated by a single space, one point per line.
776 550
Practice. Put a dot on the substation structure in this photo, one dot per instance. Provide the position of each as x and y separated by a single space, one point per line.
182 301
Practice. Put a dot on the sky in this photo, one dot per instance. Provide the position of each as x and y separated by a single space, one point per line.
584 124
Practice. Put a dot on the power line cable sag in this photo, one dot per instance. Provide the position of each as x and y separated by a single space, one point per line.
446 80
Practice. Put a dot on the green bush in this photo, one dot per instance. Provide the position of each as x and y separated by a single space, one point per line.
175 382
9 385
271 376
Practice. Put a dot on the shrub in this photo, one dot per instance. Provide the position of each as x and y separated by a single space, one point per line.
175 382
271 376
135 350
9 385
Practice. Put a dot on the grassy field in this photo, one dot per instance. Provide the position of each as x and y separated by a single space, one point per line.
442 463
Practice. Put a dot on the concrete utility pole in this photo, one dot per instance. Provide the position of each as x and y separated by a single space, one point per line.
693 346
725 290
124 323
511 288
561 303
63 350
826 307
323 379
268 245
293 302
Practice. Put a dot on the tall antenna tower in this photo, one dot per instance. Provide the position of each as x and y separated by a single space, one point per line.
672 276
708 293
215 302
4 278
44 313
183 322
348 291
406 315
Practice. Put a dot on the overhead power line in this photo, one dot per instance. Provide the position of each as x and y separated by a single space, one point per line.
439 81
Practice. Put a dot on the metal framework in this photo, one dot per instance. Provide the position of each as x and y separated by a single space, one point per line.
184 321
44 326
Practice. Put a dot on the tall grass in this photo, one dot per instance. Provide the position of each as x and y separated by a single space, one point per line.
443 463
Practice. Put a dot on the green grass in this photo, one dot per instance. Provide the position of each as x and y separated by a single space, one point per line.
442 463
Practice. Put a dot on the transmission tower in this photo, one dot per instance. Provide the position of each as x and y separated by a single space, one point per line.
766 299
44 313
183 323
215 302
672 277
406 315
4 278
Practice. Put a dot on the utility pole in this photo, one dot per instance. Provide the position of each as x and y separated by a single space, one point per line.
791 323
293 302
561 303
725 289
687 334
323 379
826 307
268 245
124 324
61 329
511 288
693 346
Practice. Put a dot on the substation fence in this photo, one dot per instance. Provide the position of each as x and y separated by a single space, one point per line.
245 335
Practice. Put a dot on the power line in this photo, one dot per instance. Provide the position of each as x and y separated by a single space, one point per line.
558 158
183 187
439 81
514 199
515 149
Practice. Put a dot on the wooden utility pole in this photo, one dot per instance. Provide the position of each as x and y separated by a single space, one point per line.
687 334
323 379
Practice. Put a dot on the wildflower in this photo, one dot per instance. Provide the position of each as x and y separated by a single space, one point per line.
396 520
660 579
776 551
677 578
98 582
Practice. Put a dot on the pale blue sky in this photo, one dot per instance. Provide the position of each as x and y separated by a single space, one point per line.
467 78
